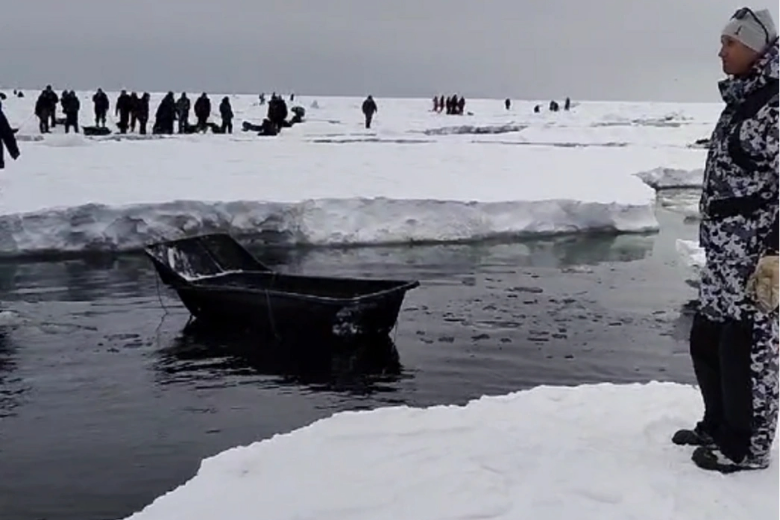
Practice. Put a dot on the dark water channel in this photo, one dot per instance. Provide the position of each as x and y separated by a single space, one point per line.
105 403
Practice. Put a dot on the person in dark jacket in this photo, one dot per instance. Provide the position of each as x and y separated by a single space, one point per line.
734 335
277 111
71 106
42 112
226 112
202 112
507 103
183 112
51 100
567 104
123 108
101 103
369 109
7 139
165 116
143 113
133 110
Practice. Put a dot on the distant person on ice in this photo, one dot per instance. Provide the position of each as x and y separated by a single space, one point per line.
70 107
202 111
101 104
123 109
7 139
226 113
143 113
369 109
734 337
165 116
183 112
134 100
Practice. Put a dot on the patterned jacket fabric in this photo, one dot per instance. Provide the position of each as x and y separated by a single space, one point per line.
742 165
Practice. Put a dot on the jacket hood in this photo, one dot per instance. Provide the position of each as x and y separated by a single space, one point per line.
734 90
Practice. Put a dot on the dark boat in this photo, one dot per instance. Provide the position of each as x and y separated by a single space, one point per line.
223 284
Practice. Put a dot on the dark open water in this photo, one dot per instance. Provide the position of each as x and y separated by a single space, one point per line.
105 405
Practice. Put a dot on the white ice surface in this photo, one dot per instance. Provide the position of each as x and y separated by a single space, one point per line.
418 176
664 178
600 452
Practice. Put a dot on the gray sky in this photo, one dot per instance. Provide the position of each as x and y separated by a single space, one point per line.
532 49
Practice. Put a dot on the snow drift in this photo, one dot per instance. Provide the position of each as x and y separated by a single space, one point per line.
591 453
327 222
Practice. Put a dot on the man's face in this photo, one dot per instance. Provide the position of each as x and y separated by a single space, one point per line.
737 58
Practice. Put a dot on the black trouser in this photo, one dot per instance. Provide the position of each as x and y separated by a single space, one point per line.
133 120
142 125
71 120
227 126
43 123
202 123
369 117
100 118
123 121
721 355
183 122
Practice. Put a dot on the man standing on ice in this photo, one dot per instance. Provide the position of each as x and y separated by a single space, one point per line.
7 139
734 337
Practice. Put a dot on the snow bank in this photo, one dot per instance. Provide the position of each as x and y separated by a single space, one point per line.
590 453
314 222
116 196
665 178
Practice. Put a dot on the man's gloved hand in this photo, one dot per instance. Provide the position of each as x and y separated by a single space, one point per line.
762 285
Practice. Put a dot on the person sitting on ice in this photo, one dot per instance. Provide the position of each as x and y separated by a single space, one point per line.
7 139
734 336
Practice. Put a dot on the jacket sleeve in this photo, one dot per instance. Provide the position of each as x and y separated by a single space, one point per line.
7 136
771 146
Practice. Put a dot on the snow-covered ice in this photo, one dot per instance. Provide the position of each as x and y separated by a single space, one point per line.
419 176
664 178
691 252
596 452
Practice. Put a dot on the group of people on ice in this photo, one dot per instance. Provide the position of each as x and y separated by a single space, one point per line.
133 112
452 105
46 109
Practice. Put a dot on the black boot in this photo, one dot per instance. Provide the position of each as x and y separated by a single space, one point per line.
696 437
712 459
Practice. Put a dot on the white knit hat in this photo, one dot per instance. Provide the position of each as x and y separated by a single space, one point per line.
747 29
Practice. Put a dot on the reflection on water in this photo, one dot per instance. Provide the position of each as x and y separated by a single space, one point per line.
12 388
131 276
200 354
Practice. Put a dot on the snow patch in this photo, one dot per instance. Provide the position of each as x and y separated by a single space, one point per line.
665 178
591 452
102 228
692 254
66 140
474 129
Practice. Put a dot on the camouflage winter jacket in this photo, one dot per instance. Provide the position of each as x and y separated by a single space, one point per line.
739 201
